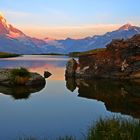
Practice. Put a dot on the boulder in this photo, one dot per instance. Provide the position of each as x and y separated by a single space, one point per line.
6 78
35 80
47 74
71 68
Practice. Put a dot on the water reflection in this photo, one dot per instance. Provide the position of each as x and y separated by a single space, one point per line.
38 63
118 96
20 92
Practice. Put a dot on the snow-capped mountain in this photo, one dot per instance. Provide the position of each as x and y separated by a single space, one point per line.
98 41
15 41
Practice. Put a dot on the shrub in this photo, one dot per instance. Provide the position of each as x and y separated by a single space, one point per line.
22 72
20 76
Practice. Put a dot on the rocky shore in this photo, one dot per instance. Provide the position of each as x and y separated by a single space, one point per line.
120 60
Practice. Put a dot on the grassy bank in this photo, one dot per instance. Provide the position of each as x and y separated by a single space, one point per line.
77 54
109 129
8 55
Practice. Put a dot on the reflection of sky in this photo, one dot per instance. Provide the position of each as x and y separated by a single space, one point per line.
55 64
52 112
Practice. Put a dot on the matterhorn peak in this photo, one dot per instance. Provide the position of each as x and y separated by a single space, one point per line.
1 15
7 29
126 26
3 21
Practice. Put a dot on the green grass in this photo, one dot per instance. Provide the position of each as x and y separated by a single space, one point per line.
19 76
108 129
114 129
22 72
8 55
77 54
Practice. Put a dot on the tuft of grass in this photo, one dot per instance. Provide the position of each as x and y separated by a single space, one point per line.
20 76
22 72
114 129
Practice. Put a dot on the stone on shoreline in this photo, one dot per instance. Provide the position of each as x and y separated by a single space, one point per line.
71 67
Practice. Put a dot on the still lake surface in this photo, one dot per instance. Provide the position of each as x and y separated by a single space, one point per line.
62 107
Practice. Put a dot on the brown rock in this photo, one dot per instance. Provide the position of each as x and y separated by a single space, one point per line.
47 74
71 68
120 59
7 79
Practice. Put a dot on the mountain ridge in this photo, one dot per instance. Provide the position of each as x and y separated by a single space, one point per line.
15 41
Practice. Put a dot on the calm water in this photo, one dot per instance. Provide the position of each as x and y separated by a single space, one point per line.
61 107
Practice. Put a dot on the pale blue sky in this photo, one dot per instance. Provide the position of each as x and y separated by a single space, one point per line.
59 16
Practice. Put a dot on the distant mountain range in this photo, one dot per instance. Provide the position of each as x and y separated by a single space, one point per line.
15 41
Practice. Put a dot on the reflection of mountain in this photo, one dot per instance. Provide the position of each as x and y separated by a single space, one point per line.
123 97
34 61
54 64
20 92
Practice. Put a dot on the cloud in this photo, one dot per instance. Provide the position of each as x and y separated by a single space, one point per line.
38 25
79 31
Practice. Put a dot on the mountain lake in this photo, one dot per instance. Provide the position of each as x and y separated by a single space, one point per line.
62 107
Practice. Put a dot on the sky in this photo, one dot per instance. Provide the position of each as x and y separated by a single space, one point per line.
69 18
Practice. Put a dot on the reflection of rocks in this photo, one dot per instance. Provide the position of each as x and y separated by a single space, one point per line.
20 92
71 84
118 96
20 86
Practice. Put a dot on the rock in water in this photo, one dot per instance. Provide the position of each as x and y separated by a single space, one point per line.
71 68
47 74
